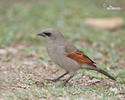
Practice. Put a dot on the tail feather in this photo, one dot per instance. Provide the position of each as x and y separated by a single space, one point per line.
103 72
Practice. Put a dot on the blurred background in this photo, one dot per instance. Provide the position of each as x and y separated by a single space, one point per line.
96 27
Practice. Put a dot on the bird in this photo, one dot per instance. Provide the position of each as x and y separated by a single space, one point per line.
66 55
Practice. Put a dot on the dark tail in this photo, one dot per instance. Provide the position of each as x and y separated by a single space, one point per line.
103 72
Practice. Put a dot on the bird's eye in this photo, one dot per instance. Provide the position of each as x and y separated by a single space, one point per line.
47 34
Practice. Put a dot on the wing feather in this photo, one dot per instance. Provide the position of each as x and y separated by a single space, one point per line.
80 57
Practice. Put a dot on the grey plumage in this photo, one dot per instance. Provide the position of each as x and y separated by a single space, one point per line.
58 48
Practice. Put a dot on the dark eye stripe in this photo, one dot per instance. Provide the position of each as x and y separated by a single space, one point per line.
48 33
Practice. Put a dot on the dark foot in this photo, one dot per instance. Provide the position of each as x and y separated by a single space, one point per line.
66 81
58 78
53 80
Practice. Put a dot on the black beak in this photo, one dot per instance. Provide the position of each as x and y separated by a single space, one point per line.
41 34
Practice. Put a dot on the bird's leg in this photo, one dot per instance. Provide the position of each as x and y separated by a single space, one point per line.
64 84
58 78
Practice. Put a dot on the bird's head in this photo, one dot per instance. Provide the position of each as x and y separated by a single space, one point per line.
50 34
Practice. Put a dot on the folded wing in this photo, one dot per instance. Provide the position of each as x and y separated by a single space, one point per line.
80 57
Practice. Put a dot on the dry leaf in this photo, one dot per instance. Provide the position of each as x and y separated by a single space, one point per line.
105 23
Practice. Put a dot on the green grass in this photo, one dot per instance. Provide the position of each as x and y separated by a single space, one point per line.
20 21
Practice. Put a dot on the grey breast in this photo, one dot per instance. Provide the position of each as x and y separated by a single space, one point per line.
58 55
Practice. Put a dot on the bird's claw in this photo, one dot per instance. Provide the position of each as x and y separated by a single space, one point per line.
53 80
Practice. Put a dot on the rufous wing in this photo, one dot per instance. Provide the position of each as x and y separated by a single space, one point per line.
80 57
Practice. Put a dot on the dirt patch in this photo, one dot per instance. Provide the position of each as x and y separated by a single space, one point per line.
19 71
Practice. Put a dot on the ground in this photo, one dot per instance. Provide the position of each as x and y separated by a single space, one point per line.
24 63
